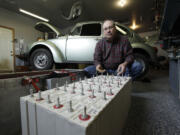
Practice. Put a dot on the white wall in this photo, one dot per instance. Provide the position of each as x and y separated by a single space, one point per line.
23 26
24 30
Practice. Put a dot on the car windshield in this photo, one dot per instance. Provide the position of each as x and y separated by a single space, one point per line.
76 31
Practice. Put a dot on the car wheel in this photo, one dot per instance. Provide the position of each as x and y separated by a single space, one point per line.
41 59
144 62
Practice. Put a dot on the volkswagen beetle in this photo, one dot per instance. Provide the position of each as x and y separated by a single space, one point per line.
79 45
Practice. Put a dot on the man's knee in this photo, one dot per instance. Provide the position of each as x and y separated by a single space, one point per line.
91 68
90 71
137 67
136 70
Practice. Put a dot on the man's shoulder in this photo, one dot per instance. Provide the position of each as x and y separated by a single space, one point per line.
101 41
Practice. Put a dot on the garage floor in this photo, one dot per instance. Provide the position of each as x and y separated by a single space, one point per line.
154 110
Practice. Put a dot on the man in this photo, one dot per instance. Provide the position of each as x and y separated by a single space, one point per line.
114 54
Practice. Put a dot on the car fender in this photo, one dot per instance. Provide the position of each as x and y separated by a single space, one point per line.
148 49
56 53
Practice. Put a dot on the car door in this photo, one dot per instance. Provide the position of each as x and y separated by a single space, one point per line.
81 44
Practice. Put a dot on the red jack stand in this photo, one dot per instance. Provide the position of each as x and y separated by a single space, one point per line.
33 81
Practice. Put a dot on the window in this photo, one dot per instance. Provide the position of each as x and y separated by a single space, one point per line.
76 31
91 29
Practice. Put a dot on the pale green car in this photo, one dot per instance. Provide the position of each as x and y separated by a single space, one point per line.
79 45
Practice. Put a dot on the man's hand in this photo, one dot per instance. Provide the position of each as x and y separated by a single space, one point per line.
121 68
100 69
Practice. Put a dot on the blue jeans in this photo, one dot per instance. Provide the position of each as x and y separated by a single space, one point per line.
133 71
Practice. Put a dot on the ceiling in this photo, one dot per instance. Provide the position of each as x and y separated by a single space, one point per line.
142 10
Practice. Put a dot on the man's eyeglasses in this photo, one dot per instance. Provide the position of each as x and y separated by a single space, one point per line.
108 28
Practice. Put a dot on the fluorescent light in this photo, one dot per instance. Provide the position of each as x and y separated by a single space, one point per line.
121 30
33 15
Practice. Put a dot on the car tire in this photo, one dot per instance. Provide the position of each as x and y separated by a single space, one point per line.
41 59
144 62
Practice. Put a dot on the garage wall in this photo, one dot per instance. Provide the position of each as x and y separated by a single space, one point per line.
23 26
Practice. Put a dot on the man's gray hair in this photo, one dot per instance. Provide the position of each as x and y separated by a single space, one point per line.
110 21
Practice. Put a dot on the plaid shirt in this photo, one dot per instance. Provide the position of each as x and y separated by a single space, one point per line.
111 54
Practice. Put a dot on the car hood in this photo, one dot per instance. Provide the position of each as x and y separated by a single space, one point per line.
46 27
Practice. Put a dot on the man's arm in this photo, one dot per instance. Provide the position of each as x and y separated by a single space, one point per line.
129 58
128 51
98 58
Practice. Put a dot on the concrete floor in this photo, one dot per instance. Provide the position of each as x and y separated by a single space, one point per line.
154 109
